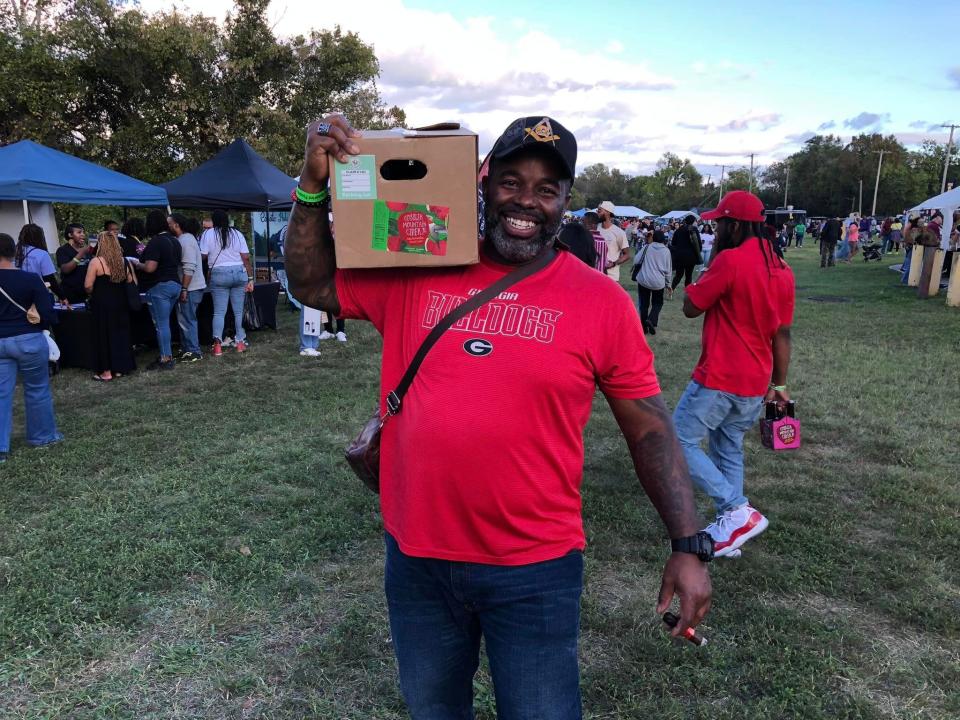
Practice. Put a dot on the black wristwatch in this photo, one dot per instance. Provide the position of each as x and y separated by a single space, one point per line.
700 545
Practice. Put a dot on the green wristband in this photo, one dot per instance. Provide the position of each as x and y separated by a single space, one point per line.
303 196
778 388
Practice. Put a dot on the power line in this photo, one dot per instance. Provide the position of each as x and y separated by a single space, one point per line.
946 161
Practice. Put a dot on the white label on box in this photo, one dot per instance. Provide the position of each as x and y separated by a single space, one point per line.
356 178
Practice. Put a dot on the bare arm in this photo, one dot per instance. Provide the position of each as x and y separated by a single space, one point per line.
648 428
781 364
310 260
662 471
689 309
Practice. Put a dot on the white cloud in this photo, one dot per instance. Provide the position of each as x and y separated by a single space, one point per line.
484 72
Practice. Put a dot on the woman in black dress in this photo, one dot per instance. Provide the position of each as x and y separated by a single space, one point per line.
106 278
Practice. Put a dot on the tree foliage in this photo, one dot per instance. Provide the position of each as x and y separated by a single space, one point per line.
153 95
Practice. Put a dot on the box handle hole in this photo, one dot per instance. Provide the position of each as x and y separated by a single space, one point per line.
403 170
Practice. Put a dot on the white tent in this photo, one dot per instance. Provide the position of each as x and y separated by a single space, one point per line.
679 215
947 203
14 214
630 211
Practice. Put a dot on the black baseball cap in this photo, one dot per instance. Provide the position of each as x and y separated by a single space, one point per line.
538 131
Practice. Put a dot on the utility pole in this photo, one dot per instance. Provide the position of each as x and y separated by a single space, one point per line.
877 184
946 162
860 204
786 186
751 172
722 170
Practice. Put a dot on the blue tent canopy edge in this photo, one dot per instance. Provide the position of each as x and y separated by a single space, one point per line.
34 172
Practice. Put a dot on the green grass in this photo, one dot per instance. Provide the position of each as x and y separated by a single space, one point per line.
197 547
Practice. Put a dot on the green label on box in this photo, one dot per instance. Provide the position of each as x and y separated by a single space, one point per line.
356 178
410 228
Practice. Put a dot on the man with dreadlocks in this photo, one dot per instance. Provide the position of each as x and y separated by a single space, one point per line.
748 297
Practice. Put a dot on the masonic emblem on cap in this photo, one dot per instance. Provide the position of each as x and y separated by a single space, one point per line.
542 132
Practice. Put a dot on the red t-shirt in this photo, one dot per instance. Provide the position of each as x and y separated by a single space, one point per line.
484 461
746 297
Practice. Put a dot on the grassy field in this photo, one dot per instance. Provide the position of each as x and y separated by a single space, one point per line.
197 547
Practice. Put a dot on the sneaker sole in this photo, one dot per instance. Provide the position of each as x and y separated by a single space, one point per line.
740 539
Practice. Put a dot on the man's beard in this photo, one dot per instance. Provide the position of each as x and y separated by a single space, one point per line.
517 250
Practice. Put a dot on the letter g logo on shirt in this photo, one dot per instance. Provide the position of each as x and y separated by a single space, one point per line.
478 347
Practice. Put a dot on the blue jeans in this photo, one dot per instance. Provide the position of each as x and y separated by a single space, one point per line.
905 268
227 285
529 616
843 252
27 355
187 319
162 298
307 341
723 418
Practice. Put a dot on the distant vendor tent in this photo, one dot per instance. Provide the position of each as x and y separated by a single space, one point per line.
623 211
678 215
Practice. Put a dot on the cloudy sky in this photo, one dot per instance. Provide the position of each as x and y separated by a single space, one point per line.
712 81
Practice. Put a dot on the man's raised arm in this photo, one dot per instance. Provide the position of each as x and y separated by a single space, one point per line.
310 261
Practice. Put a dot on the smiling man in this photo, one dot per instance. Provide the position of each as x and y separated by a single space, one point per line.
483 530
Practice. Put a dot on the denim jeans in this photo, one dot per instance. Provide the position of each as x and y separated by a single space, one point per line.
162 298
187 319
529 616
227 284
27 355
307 341
905 267
723 418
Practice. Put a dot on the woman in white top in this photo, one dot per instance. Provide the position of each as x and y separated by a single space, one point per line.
228 257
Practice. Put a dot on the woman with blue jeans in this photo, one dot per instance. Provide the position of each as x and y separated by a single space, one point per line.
24 351
160 263
228 257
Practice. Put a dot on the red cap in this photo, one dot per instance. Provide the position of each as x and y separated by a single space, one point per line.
737 205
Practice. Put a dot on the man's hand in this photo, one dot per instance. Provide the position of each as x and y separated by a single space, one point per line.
316 160
687 577
781 397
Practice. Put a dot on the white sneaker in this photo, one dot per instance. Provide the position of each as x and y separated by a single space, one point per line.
342 336
325 335
309 352
732 529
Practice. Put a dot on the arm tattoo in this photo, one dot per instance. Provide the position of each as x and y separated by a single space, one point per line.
310 260
658 460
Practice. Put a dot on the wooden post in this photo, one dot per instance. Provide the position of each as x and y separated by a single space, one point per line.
927 277
937 274
916 266
953 289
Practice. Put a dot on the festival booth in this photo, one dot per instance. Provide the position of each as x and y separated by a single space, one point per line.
33 176
678 215
239 179
931 269
630 211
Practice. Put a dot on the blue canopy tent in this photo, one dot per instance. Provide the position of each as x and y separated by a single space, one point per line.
32 172
36 175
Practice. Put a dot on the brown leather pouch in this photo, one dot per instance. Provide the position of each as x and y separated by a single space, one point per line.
363 454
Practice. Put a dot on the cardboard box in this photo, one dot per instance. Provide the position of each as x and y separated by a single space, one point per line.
409 199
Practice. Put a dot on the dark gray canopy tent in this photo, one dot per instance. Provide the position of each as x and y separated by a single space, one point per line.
236 178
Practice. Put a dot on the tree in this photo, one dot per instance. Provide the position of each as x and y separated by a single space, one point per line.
152 95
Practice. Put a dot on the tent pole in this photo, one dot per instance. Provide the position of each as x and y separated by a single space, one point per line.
267 243
26 213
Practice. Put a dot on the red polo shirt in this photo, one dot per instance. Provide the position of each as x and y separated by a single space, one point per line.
747 294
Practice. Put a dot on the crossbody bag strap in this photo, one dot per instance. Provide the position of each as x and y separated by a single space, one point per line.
395 398
22 308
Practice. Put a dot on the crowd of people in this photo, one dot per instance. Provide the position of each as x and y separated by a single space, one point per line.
170 260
